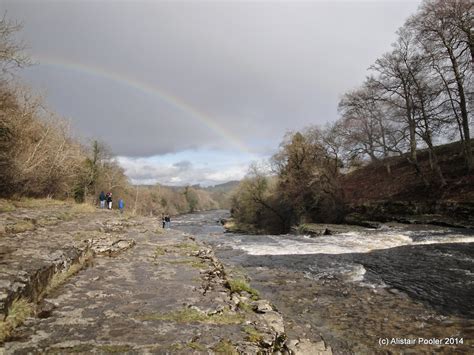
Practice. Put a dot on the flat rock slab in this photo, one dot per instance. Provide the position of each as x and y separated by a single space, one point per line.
161 293
30 257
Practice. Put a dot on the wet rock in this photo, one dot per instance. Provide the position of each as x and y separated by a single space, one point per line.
222 221
359 220
316 229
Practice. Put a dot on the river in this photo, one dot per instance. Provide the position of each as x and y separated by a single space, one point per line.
405 285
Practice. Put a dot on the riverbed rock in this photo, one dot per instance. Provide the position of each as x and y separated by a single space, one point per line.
110 246
45 309
458 214
320 229
262 306
274 321
307 347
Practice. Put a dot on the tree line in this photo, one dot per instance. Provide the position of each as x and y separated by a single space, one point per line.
417 95
40 157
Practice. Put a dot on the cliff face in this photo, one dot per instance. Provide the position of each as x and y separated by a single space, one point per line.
373 193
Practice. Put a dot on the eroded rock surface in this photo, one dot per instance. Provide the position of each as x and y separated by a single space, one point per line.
59 238
145 291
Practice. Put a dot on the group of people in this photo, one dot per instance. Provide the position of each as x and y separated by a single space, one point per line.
106 199
166 220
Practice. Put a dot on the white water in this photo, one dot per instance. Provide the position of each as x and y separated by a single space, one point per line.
352 242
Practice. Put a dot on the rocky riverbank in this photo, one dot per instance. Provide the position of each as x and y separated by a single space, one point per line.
353 286
437 212
97 281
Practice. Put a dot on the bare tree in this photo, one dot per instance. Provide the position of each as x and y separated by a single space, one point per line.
11 51
395 79
446 28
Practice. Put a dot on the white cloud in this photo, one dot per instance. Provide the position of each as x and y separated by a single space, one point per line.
199 167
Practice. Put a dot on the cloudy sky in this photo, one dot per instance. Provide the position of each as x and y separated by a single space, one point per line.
192 91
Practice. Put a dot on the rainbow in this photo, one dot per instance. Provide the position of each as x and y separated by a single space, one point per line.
148 89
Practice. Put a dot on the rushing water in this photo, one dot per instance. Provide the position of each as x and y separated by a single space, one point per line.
359 287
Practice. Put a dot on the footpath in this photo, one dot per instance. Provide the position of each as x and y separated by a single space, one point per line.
80 280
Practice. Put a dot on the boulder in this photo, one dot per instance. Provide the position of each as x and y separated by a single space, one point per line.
274 321
262 306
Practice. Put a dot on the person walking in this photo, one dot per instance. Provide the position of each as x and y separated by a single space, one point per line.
121 205
163 220
168 222
109 200
102 199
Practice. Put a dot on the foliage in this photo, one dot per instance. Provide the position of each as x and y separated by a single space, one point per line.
304 185
17 314
256 207
253 334
192 315
225 347
240 285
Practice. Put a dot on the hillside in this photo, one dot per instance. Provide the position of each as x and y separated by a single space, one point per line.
372 185
224 187
222 193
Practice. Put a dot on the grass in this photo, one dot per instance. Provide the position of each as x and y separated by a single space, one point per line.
191 315
115 348
187 247
65 216
159 251
240 285
182 248
19 310
60 278
198 264
176 347
225 347
48 221
34 203
38 202
253 334
20 226
6 206
195 346
245 307
82 208
81 348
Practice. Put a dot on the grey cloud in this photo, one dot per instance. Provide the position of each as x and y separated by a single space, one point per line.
256 69
183 165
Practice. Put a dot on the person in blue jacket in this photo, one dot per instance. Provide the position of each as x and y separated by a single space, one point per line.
121 205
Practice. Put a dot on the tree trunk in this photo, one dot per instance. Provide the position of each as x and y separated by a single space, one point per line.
463 107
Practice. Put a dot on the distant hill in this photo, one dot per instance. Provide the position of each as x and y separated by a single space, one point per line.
221 193
225 187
